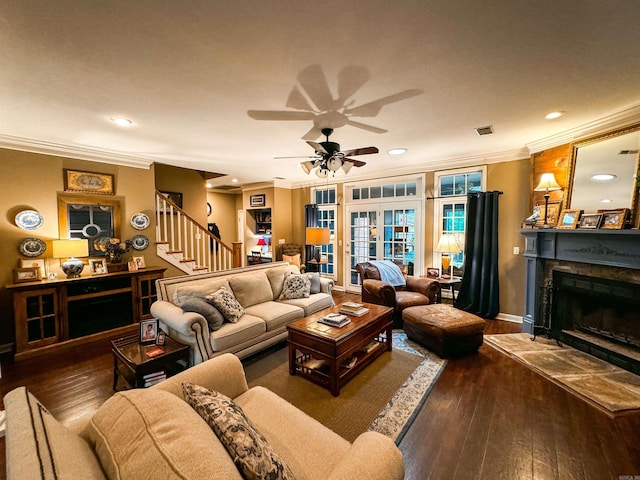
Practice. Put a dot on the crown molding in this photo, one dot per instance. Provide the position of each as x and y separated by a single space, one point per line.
615 121
72 151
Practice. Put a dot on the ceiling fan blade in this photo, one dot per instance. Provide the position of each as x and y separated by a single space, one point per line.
372 109
357 163
364 126
297 101
350 79
313 134
317 147
314 82
279 115
361 151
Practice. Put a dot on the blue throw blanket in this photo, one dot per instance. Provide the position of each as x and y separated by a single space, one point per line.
390 272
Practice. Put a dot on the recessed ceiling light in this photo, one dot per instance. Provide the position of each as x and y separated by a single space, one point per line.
234 180
209 185
602 177
123 122
397 151
554 115
605 200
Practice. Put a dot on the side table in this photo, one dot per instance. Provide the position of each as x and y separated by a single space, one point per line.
448 284
131 362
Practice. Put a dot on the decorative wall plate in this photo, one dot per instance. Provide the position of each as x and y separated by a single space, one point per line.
32 247
140 221
29 220
140 242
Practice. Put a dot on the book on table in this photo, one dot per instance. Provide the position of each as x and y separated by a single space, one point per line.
360 311
352 306
335 320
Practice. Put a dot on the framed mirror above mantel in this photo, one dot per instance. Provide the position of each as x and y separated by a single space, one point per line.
603 173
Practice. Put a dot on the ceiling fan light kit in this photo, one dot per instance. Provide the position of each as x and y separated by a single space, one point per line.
331 159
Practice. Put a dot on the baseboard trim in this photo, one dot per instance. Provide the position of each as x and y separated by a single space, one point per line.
509 318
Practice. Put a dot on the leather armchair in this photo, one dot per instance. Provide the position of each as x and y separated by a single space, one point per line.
418 291
291 249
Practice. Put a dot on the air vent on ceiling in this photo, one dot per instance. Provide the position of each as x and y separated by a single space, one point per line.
628 152
488 130
279 178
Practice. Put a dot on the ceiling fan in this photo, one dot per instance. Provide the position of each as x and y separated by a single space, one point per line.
315 101
329 158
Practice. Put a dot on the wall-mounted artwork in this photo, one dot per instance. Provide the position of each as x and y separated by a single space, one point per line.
88 182
258 200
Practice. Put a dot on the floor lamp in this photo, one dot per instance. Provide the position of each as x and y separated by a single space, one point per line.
547 184
317 236
448 245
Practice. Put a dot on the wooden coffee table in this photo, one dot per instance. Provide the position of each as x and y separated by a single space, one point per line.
330 356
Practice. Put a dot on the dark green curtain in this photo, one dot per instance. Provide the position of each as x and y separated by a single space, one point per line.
480 289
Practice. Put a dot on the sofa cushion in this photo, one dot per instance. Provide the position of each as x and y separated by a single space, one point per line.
233 334
276 278
198 289
250 451
227 304
313 303
41 447
150 433
295 286
314 278
204 308
283 425
292 259
251 288
276 314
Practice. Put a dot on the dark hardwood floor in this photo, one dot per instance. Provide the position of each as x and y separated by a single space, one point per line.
488 417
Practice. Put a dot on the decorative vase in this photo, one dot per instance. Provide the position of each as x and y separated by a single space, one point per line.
115 257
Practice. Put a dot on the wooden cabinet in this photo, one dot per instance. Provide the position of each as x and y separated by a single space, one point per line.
58 314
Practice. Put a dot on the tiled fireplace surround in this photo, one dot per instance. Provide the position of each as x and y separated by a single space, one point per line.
585 286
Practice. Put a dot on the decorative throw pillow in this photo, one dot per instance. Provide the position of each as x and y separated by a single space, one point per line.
250 451
224 301
314 278
204 308
295 286
292 259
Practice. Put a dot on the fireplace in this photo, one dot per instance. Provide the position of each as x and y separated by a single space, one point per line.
584 286
597 315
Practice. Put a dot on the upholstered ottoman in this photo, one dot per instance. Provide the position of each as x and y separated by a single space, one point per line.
443 329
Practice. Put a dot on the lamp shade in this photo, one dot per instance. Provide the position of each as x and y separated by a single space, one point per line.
69 248
317 236
547 183
262 242
448 244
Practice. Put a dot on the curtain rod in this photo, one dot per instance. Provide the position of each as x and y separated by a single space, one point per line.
471 193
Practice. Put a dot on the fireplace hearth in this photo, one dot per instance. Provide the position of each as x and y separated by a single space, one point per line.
594 300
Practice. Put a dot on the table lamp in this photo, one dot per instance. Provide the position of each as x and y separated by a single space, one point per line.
448 245
317 236
262 243
547 184
70 249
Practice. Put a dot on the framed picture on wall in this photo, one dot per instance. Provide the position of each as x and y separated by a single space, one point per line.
88 182
258 200
175 197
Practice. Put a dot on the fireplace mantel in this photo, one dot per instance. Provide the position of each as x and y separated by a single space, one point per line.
614 248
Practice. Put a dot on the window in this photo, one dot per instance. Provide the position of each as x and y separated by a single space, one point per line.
325 198
450 206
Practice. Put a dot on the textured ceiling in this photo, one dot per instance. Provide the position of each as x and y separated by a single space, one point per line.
189 72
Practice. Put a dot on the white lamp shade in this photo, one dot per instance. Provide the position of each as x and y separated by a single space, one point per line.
322 172
346 166
448 244
69 248
547 183
334 164
306 167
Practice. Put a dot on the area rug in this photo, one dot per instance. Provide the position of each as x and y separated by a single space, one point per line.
609 388
384 397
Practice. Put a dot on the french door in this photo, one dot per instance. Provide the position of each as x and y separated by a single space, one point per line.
382 232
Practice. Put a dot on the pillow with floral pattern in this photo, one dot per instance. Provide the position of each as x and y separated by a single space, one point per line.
226 303
295 286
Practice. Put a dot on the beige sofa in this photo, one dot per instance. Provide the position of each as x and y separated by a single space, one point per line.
154 433
257 288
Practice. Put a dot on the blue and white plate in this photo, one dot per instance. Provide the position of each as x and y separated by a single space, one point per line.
140 221
32 247
140 242
29 220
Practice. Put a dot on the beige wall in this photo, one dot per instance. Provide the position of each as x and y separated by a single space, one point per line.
188 182
33 181
224 213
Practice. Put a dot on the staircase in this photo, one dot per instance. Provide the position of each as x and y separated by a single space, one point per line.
187 245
